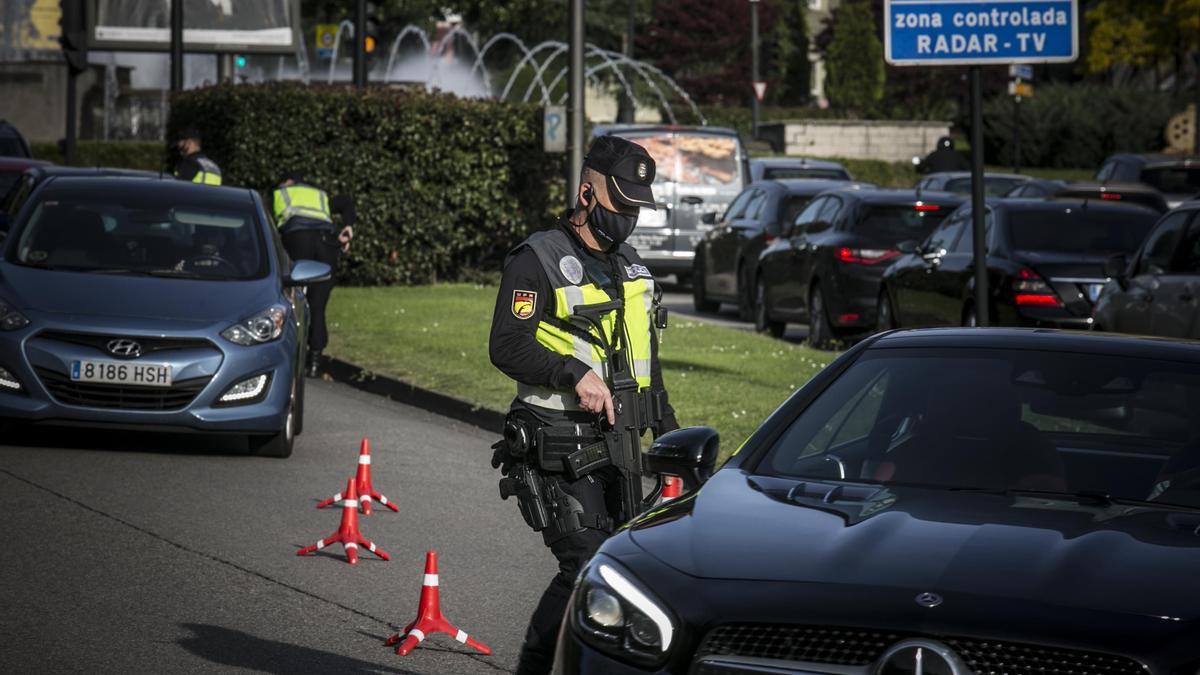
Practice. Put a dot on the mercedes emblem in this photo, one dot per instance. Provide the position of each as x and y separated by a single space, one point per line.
929 599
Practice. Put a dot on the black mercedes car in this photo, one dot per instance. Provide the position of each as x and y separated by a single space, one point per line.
994 184
825 268
945 502
1177 178
1046 261
1154 291
1129 193
726 261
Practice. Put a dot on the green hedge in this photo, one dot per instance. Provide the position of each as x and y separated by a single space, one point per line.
1077 125
120 154
444 186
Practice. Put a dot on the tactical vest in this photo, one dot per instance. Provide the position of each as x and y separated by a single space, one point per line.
301 200
209 173
572 287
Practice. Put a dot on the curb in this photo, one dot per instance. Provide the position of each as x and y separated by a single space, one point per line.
409 394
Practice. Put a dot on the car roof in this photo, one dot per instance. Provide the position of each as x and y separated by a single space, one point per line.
812 186
1058 203
1109 186
805 162
20 163
618 129
878 195
52 170
1156 158
967 174
151 181
1049 339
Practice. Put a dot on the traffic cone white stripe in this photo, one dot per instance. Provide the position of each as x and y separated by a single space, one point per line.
416 632
431 580
350 504
351 545
383 500
364 459
371 546
461 637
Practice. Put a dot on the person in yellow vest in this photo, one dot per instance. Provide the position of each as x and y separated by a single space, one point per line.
559 367
193 165
304 215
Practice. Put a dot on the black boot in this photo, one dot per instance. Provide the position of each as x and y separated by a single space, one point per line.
311 363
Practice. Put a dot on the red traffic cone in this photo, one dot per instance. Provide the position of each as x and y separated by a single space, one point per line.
362 481
671 488
429 617
347 533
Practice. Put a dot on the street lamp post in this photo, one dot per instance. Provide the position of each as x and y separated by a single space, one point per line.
575 103
176 45
754 65
360 46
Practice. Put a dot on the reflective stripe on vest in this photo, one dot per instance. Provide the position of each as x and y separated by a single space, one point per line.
639 306
207 178
301 200
208 174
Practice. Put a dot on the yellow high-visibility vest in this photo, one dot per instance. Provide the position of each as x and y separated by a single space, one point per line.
560 259
301 200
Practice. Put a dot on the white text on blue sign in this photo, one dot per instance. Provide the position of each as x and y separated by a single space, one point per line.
933 32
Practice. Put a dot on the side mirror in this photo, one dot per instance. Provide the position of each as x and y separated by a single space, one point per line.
1117 268
689 453
709 218
306 272
910 246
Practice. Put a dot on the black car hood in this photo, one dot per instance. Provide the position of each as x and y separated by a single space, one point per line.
1045 551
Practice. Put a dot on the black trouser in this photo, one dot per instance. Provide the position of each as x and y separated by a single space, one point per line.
322 246
572 551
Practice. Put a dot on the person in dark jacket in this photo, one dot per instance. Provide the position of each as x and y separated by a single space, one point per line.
944 158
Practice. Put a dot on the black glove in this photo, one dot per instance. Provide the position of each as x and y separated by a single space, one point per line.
501 457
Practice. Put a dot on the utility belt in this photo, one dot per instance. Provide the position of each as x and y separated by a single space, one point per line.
548 454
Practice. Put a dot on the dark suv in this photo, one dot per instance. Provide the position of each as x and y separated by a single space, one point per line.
12 143
1178 178
825 268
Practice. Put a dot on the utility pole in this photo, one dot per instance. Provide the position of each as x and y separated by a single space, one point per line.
575 102
754 77
978 199
627 110
176 45
360 43
74 47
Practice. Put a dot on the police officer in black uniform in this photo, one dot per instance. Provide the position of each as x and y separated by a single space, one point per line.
191 164
559 382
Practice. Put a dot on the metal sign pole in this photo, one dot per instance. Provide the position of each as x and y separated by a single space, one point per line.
575 107
754 65
978 203
176 45
360 43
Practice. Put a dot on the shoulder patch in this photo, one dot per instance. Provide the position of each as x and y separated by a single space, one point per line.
571 268
634 271
523 304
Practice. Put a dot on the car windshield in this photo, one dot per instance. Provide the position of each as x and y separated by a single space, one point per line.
1173 179
134 230
1004 419
893 224
994 186
789 172
1080 230
692 158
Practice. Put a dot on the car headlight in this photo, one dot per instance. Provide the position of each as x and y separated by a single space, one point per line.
616 615
11 319
265 326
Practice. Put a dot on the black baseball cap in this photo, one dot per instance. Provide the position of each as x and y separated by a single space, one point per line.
188 134
630 170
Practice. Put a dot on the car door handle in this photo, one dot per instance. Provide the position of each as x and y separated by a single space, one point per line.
691 199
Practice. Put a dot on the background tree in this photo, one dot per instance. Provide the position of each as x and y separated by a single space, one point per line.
854 60
1131 39
795 71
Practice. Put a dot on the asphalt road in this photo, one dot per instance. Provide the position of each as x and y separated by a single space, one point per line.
678 301
150 553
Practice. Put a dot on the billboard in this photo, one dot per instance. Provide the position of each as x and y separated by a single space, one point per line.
29 25
269 26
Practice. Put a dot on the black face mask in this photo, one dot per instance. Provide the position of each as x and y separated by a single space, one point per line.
610 227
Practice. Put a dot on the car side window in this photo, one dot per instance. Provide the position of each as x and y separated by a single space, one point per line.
1106 171
809 214
739 205
791 207
828 215
966 242
1160 246
754 208
943 237
1188 259
17 196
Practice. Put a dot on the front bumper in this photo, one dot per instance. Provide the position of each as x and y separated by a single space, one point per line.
204 367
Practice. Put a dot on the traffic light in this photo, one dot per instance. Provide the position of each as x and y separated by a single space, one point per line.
239 61
371 40
769 57
72 35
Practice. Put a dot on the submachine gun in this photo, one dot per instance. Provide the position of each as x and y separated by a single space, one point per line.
633 411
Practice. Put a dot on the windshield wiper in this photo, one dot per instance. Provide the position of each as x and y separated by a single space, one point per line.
1088 496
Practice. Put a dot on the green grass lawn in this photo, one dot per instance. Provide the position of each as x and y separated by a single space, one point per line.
436 337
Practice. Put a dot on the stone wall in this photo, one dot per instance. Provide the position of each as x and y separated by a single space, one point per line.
893 141
33 97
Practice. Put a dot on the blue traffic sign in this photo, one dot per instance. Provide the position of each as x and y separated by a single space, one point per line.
974 32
